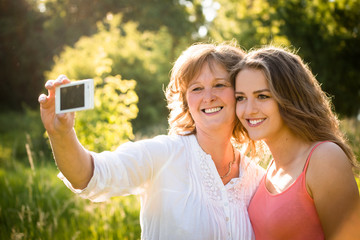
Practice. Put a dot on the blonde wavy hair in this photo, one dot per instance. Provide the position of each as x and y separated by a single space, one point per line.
303 106
186 68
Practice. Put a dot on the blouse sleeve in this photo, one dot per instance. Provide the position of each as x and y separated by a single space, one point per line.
124 171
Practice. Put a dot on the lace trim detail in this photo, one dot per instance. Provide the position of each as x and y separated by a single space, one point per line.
240 190
209 182
236 193
244 188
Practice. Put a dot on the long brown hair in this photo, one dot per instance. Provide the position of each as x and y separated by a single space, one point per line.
186 68
304 107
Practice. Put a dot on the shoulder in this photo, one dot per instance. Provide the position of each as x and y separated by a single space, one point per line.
329 168
158 145
172 141
160 140
329 156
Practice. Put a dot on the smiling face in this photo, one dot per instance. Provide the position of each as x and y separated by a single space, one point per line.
256 108
211 101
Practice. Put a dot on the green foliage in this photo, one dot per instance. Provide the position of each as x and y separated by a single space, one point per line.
120 49
351 127
18 130
108 125
327 33
249 22
74 18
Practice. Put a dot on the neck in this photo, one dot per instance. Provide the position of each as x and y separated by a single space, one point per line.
217 145
286 149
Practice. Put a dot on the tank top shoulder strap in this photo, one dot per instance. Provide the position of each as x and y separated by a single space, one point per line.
311 152
269 165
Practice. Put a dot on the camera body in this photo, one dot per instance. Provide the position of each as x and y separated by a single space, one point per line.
74 96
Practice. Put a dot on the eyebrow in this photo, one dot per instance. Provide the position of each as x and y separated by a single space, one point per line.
215 79
257 91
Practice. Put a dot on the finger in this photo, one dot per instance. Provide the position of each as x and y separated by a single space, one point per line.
42 98
45 101
62 79
50 85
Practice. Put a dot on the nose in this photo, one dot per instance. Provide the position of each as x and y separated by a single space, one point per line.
251 107
209 96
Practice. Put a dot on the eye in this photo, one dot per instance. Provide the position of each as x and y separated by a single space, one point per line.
196 89
263 96
219 85
240 98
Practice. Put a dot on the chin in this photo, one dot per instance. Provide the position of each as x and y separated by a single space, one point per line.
255 137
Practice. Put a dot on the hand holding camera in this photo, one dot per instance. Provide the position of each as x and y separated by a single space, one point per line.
63 99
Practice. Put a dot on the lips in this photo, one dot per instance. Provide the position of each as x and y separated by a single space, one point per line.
255 122
212 110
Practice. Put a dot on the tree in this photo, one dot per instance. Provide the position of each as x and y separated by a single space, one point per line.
249 22
71 19
327 33
109 123
118 48
23 53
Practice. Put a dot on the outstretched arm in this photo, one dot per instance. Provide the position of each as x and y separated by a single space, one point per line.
71 158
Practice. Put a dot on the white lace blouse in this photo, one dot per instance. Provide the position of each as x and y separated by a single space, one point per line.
182 195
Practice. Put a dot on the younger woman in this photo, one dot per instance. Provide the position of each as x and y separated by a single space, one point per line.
309 189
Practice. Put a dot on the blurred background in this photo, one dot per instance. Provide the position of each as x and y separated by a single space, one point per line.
128 48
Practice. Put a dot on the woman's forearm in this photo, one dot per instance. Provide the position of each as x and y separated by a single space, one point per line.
72 159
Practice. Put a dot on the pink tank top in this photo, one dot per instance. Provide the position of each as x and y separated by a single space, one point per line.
290 214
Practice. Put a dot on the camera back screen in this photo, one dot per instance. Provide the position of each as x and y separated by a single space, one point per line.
72 97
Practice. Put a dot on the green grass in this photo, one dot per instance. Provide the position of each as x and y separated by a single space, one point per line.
35 204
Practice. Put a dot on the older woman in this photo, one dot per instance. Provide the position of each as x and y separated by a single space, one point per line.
193 183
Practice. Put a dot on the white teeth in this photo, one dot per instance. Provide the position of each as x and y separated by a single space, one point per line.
253 122
212 110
